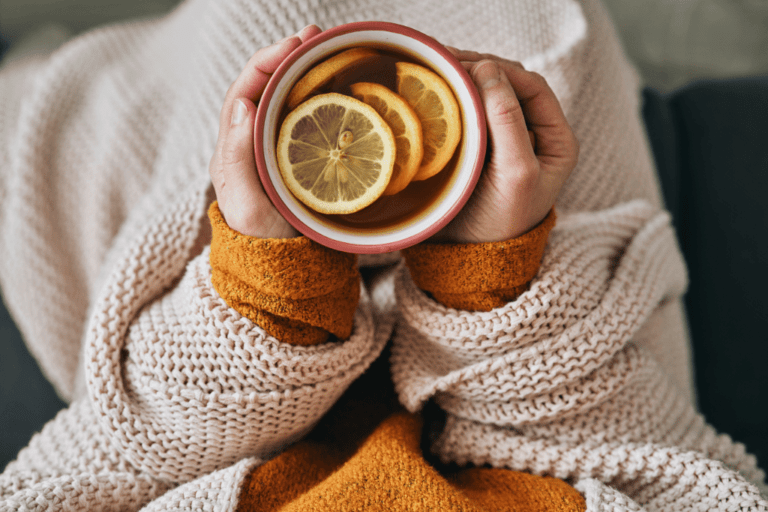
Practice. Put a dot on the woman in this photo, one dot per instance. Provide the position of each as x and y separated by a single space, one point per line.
180 399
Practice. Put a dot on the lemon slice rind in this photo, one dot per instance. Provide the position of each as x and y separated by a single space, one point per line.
441 125
323 73
406 128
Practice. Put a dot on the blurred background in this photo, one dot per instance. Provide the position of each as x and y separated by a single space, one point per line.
673 43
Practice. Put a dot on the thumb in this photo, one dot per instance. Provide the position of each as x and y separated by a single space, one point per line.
242 200
510 138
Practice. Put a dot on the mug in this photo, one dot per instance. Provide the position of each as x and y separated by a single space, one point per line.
392 222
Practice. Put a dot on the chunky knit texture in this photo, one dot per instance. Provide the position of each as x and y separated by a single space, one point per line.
176 397
366 452
553 383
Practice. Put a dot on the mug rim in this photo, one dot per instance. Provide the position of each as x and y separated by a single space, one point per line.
260 122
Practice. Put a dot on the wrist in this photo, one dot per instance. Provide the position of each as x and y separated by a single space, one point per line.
492 232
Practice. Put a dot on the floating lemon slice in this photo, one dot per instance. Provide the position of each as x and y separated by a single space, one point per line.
405 126
335 153
324 72
438 111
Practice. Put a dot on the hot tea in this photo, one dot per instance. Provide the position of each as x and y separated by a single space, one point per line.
378 64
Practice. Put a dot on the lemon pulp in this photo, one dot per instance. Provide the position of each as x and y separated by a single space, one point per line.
335 153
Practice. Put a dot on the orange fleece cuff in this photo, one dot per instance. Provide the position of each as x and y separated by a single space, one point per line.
295 289
479 277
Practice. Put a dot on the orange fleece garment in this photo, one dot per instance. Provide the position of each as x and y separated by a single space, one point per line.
365 454
479 277
387 472
295 289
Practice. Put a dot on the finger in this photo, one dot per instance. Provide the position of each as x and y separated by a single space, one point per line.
234 174
257 72
242 200
472 56
468 55
510 141
309 32
234 168
254 77
465 54
467 64
555 141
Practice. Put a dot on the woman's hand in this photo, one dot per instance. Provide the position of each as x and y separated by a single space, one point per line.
242 199
532 151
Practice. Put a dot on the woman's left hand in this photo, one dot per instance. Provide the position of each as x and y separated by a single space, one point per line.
242 200
532 151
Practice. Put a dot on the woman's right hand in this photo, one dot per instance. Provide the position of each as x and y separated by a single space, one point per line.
242 200
531 150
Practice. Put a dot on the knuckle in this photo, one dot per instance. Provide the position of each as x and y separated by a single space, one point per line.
244 218
525 179
488 56
543 85
504 109
514 63
232 155
520 177
517 182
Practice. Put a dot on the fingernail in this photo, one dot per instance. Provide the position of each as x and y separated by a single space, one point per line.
487 74
278 43
305 28
239 112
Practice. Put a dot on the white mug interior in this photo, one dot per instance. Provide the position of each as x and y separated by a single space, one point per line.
388 237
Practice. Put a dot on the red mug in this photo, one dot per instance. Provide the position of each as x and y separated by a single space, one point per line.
392 222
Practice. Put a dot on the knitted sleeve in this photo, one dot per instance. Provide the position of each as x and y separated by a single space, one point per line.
189 394
556 382
188 385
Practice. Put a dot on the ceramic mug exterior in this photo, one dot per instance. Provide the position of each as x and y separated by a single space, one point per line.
429 220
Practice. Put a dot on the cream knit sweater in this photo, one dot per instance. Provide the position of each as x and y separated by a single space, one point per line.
104 148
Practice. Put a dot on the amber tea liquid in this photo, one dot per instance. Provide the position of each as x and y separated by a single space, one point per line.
418 196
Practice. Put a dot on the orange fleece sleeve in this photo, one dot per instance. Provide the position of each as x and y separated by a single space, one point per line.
479 277
295 289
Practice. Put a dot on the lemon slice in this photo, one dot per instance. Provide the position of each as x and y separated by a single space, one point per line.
438 111
405 126
324 72
335 153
